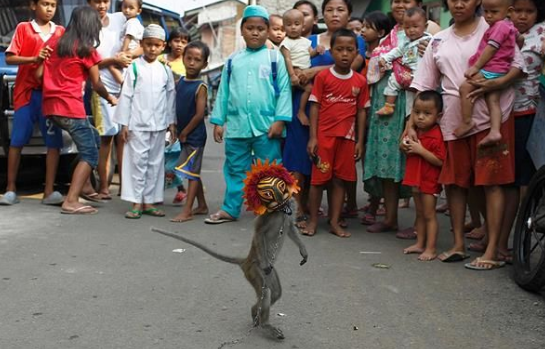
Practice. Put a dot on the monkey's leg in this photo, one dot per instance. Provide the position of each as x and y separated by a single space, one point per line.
272 293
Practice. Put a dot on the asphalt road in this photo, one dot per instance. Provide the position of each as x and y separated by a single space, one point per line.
107 282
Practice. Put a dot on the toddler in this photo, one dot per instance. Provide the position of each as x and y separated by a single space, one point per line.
297 52
356 25
276 30
492 60
132 33
424 160
191 98
337 124
414 25
146 109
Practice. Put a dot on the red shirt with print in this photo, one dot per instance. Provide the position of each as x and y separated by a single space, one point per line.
340 97
28 42
63 84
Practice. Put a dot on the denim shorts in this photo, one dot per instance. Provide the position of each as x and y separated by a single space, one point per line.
24 120
84 135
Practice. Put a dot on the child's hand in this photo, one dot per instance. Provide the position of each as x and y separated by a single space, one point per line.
303 118
312 147
275 131
218 133
358 151
112 100
172 130
294 80
303 79
123 59
124 134
422 46
44 54
320 49
414 147
471 72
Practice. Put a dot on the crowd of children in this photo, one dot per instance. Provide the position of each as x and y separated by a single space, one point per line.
399 95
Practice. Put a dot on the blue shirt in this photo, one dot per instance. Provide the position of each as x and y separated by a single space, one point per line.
186 107
246 102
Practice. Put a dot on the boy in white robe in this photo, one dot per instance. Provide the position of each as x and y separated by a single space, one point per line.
146 109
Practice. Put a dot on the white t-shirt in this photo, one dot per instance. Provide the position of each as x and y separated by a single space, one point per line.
110 46
299 51
134 28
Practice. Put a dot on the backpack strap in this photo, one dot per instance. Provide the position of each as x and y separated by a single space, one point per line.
274 70
135 71
273 55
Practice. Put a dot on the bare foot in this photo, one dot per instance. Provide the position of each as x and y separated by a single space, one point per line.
182 217
336 229
309 229
405 203
413 249
427 256
492 138
464 128
200 210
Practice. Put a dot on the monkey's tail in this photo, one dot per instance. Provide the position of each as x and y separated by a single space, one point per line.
233 260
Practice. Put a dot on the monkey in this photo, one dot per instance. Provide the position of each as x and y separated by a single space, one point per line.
258 267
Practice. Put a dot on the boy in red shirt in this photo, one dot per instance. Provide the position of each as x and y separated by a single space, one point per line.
28 49
337 122
424 160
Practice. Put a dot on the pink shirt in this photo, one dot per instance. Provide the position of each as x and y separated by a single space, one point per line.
444 64
502 35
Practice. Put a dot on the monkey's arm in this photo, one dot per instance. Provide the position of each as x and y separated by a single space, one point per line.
294 236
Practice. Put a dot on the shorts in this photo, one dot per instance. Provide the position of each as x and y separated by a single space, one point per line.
190 162
524 166
467 165
335 158
103 114
84 135
491 75
24 120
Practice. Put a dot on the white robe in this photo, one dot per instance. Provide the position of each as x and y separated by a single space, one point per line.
147 107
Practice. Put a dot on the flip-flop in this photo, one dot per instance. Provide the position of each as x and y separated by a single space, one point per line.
133 214
104 196
54 199
368 219
477 247
216 218
493 264
93 197
80 210
505 257
456 256
380 227
475 234
406 234
9 198
154 212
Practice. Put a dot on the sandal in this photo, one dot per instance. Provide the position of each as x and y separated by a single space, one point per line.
475 234
154 212
368 219
349 213
407 234
133 214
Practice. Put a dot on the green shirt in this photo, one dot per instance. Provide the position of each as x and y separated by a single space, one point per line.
246 103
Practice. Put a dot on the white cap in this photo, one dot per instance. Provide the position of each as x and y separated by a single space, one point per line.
154 31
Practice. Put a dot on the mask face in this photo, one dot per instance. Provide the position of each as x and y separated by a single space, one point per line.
273 193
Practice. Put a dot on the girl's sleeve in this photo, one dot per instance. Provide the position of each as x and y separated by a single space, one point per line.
283 104
219 112
427 75
92 60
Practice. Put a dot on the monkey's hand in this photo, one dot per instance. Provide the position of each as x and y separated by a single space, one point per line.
268 270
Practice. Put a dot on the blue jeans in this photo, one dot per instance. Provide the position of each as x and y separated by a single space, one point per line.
84 135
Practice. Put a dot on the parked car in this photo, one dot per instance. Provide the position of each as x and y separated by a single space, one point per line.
18 11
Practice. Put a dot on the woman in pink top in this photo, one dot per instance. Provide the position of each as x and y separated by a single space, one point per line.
443 65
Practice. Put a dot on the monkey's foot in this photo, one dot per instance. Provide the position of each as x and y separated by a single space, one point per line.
274 331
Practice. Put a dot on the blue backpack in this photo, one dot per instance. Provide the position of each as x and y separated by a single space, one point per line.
274 70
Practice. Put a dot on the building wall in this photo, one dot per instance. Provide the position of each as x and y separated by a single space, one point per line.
439 15
280 6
